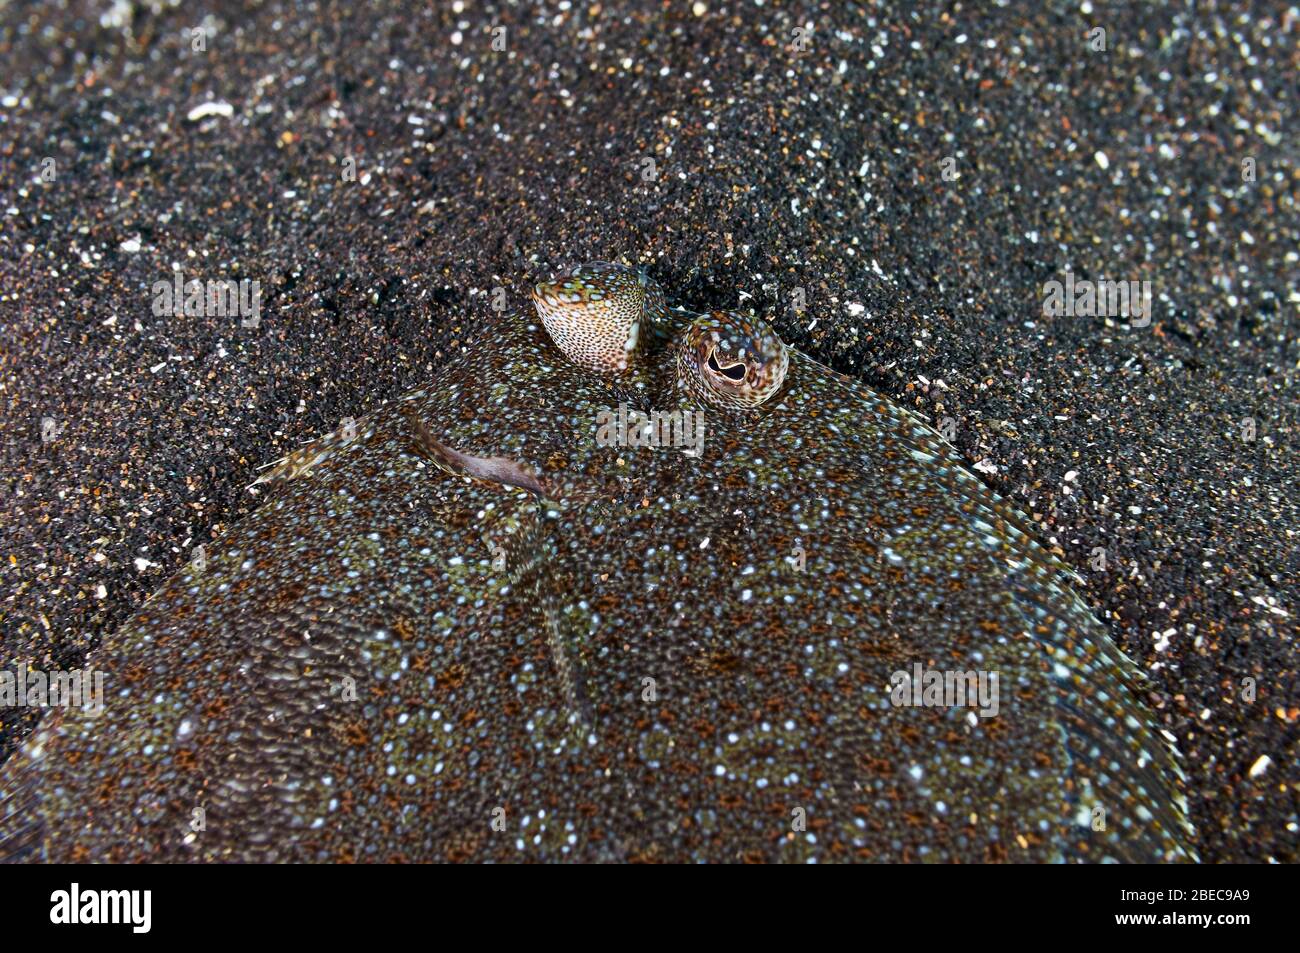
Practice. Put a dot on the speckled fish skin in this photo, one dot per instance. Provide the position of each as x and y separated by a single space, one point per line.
517 690
596 313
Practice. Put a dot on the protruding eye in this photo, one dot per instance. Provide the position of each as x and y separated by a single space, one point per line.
594 313
731 360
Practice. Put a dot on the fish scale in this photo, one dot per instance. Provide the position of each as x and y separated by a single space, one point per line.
516 696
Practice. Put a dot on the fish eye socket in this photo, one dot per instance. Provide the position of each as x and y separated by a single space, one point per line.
734 372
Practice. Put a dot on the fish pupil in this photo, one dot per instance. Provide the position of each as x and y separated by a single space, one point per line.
735 372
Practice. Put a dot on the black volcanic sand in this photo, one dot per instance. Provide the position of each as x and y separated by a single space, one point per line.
773 169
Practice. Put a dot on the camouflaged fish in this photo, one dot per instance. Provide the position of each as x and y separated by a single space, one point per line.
519 615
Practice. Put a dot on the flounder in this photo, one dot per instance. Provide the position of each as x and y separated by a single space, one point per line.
622 583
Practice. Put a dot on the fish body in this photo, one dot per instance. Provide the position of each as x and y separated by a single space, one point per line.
620 652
